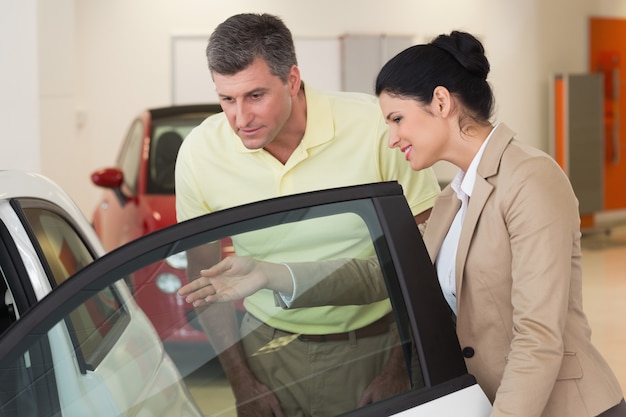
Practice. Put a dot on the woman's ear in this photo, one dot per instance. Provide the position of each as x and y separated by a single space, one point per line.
442 101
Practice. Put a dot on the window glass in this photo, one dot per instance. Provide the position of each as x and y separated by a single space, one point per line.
167 136
335 334
7 308
130 156
63 248
96 326
44 381
65 253
27 384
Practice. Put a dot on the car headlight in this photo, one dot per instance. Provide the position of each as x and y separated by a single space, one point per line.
168 283
178 260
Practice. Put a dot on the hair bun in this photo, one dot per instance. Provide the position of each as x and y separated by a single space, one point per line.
467 50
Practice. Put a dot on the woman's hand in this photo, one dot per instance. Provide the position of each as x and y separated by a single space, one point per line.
235 278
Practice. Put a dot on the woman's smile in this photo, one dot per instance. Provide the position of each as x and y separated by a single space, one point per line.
407 151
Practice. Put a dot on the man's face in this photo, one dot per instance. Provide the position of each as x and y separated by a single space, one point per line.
256 102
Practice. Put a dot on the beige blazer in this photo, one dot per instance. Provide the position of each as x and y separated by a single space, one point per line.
520 321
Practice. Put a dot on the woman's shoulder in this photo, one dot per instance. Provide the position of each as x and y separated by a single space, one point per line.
520 155
530 171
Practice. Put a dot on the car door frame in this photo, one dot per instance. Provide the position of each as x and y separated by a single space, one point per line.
443 367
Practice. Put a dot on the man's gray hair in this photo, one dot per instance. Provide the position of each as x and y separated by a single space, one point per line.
242 38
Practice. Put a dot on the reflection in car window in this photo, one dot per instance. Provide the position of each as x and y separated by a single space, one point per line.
28 385
94 323
96 326
339 262
63 249
342 266
44 380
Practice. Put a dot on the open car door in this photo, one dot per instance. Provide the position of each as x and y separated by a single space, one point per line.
374 218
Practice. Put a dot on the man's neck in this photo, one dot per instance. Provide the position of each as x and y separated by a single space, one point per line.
292 133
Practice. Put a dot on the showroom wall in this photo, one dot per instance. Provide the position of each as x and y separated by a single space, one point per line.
19 89
84 68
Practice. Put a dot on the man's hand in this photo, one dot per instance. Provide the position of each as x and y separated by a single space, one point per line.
394 379
256 400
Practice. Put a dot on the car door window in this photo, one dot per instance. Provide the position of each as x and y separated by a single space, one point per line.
347 252
7 305
335 258
130 155
55 374
27 386
63 249
96 324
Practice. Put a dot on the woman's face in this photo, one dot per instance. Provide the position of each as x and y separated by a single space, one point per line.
417 129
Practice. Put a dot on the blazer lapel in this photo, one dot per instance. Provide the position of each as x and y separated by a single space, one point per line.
488 167
480 194
444 210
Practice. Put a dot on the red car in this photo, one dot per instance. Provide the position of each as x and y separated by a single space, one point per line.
139 199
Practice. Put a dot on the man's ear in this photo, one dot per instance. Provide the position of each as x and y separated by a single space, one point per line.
293 80
442 101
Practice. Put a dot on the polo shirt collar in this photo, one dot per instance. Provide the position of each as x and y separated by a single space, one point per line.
320 123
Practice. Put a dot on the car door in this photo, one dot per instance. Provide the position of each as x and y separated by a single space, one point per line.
373 218
84 355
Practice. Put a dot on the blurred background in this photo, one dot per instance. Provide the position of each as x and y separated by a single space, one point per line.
73 73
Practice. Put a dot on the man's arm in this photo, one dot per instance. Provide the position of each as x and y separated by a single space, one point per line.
422 218
220 324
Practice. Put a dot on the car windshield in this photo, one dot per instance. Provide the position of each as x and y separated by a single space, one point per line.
348 287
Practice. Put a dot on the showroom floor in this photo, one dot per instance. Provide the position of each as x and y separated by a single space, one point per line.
604 291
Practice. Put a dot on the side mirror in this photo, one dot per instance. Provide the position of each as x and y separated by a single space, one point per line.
112 178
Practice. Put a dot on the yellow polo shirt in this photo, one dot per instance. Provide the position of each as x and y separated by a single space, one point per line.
345 143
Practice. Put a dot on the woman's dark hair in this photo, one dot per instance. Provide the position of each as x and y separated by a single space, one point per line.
456 62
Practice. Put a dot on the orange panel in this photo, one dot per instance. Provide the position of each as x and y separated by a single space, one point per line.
559 122
607 44
587 221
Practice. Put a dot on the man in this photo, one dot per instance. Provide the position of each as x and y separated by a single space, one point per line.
277 137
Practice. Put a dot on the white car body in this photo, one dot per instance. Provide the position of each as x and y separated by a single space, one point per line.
468 402
104 391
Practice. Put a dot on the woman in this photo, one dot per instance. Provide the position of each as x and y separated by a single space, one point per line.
504 237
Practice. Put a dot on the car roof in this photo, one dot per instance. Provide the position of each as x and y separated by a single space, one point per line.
23 184
163 112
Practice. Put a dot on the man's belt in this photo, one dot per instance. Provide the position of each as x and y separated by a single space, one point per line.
377 328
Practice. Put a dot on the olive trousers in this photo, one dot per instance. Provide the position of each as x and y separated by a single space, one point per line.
314 378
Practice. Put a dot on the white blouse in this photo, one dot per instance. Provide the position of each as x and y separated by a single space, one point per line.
463 185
